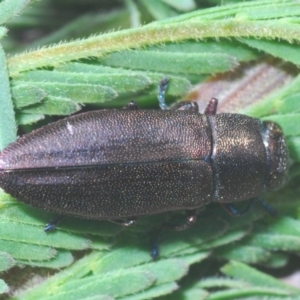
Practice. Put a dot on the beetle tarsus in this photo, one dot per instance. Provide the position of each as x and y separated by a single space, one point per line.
132 105
155 248
211 108
53 223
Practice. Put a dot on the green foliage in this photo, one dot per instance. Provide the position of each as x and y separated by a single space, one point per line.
101 260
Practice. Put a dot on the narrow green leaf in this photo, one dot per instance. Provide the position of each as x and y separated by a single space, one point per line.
27 251
158 9
176 269
114 260
121 83
289 104
8 9
274 241
277 260
196 235
76 67
221 282
233 49
114 284
273 102
53 105
194 257
285 225
26 119
6 261
23 213
19 232
171 62
135 16
248 292
8 129
280 10
26 94
156 291
195 26
178 85
61 260
244 253
81 268
101 243
183 5
82 93
284 50
231 236
241 271
195 293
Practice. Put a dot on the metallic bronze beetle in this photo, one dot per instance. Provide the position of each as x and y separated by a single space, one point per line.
124 163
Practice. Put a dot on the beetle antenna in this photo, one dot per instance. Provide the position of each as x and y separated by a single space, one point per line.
163 85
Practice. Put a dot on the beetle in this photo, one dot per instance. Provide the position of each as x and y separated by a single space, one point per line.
118 164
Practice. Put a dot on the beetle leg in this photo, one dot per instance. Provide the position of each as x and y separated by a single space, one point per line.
269 208
191 217
162 87
186 105
53 223
211 108
131 105
128 222
231 209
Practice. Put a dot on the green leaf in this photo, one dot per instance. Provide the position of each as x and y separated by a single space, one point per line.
26 94
6 261
170 62
184 5
286 51
243 272
8 9
24 119
244 253
279 101
53 105
8 132
112 284
155 291
178 85
81 93
227 22
121 83
62 259
25 251
158 9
